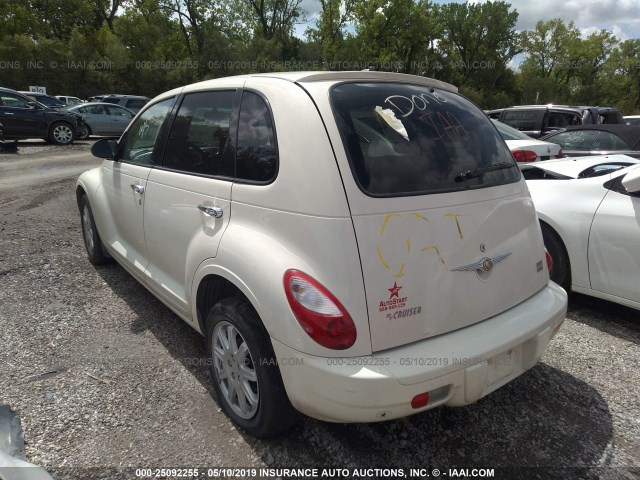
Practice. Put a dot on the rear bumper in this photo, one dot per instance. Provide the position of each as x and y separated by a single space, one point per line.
457 368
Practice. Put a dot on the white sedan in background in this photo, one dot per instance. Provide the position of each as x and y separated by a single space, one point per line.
589 211
526 149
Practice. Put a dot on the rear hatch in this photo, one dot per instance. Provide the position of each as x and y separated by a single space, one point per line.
446 230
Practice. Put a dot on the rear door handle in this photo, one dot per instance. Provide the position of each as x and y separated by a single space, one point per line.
215 212
138 188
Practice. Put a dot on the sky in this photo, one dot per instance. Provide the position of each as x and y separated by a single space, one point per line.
622 17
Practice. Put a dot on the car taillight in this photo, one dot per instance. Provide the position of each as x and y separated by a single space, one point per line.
549 259
524 155
560 154
318 312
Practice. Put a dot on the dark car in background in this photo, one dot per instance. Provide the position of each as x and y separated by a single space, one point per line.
23 117
132 102
44 99
540 120
598 140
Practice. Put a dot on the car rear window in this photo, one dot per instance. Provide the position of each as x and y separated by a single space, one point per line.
406 139
521 119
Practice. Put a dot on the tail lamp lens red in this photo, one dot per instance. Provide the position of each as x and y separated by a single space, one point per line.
319 312
524 155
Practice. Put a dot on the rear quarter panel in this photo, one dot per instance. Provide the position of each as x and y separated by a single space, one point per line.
300 221
568 206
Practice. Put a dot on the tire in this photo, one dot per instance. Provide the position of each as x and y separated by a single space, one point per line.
561 270
92 241
84 132
245 373
62 133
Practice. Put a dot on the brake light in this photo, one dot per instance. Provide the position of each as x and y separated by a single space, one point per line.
318 312
549 259
560 154
524 155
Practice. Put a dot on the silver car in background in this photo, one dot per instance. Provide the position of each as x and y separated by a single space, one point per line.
103 119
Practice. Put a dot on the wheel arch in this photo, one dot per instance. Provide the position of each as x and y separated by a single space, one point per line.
563 244
211 289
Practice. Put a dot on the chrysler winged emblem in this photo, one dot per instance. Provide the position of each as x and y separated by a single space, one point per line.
485 264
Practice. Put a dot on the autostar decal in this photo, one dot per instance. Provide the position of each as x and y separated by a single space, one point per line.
395 300
396 305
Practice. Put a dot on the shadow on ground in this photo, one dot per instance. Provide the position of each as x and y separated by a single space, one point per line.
545 418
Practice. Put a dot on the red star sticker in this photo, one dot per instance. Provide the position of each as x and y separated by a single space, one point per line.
394 291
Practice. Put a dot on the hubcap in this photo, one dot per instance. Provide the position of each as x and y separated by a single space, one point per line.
235 370
88 229
62 134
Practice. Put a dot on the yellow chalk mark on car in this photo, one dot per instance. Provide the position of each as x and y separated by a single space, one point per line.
433 247
384 264
387 217
455 217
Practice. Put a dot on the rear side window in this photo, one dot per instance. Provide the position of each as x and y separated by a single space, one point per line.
257 153
609 141
574 140
528 120
563 119
199 133
409 140
135 104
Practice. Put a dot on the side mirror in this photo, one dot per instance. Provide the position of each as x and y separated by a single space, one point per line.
631 181
35 105
105 148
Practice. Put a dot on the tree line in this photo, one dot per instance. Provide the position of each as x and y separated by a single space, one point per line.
89 47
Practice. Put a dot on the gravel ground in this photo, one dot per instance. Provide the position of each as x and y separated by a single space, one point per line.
103 376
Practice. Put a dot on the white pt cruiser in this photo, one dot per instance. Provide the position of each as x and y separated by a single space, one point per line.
355 246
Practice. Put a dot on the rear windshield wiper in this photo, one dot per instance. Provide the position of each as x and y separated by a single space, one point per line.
476 172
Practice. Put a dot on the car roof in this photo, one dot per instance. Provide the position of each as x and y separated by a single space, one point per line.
118 95
3 89
105 104
573 166
35 94
311 76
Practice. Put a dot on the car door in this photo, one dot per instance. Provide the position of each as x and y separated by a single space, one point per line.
119 119
188 198
124 182
20 117
614 243
97 119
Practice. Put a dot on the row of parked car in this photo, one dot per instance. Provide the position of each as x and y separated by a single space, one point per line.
37 115
543 132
